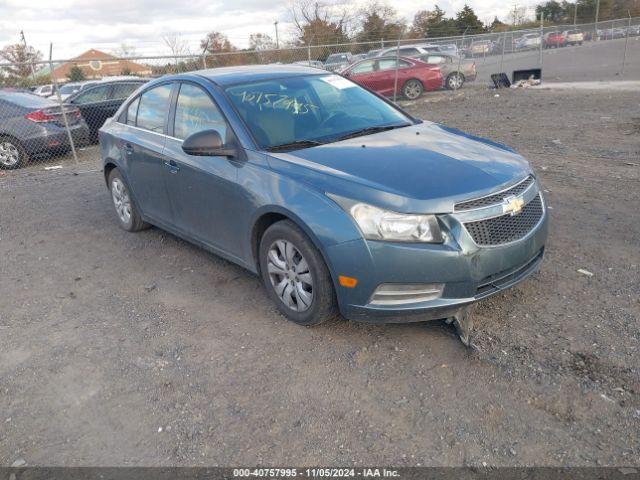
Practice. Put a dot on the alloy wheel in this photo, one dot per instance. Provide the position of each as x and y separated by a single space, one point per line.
290 275
412 90
9 154
455 81
121 200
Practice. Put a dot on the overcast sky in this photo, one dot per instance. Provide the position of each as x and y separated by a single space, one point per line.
75 26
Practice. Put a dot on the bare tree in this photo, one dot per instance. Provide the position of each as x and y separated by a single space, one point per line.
178 45
22 59
124 51
261 41
322 21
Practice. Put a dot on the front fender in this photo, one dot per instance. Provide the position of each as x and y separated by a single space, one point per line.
323 220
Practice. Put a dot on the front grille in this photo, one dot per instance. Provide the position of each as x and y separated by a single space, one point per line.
496 197
506 228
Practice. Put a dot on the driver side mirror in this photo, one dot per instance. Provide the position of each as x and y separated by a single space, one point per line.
207 143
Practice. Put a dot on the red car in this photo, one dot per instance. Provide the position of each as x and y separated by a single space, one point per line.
379 75
554 39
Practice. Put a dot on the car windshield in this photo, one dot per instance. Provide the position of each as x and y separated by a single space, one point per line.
306 110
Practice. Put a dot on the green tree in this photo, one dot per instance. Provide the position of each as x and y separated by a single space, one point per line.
432 23
553 11
467 21
378 22
76 74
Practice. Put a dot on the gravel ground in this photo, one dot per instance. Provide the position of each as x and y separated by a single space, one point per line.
140 349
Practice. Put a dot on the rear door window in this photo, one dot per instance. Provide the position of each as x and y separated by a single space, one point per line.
153 108
123 90
95 94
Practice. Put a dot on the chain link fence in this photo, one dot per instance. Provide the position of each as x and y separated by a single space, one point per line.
54 125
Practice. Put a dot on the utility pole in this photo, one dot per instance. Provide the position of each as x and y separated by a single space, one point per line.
277 39
597 15
541 41
26 52
575 14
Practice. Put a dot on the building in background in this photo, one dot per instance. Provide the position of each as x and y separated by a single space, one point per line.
96 64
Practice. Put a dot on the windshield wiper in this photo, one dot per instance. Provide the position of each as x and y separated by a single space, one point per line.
369 131
298 144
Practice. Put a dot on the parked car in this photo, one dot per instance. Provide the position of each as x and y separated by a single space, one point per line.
528 41
409 50
338 199
44 90
554 40
612 33
480 48
309 63
454 70
101 100
373 53
634 30
338 61
449 49
70 88
32 126
379 74
573 37
358 57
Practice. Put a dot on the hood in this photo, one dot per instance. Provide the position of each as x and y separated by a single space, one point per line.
424 167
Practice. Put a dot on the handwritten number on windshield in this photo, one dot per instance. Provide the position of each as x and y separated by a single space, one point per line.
276 101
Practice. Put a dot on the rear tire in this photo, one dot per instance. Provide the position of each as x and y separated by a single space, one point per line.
412 89
454 81
295 275
127 213
12 154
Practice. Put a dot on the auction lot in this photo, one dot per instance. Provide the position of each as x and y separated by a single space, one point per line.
140 349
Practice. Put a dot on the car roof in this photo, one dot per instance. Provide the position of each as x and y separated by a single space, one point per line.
226 76
26 100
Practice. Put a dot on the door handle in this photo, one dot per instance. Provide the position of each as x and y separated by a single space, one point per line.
128 148
172 166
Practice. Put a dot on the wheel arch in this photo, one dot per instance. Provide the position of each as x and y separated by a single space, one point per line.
270 215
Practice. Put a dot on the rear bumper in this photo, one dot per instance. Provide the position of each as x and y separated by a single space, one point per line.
469 273
49 140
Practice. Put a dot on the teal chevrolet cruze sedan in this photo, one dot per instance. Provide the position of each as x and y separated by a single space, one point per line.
338 199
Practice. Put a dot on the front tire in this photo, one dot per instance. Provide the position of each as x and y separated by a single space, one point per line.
295 275
412 89
127 213
12 154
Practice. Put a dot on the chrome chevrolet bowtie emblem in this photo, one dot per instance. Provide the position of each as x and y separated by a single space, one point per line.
512 205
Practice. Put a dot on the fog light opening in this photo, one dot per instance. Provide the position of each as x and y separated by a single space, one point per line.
405 293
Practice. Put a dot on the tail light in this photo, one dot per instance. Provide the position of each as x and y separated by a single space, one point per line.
40 116
44 116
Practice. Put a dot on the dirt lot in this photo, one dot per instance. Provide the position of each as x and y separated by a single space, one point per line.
139 349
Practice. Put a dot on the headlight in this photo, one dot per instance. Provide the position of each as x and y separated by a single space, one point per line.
379 224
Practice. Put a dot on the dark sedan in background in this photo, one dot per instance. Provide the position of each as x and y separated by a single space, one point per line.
101 101
379 74
32 126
